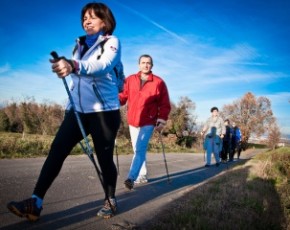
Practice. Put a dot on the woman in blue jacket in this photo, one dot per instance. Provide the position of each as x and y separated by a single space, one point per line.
95 94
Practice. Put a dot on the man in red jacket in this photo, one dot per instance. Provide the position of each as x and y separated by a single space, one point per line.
148 107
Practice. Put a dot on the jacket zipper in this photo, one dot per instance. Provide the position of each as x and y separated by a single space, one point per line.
79 90
98 95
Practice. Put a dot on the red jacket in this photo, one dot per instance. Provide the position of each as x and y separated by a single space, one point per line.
147 103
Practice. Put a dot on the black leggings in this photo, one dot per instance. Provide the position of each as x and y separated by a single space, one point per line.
103 127
226 151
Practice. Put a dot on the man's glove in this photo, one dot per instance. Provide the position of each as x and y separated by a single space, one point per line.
160 124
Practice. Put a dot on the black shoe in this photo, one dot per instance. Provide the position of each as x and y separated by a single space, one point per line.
207 166
109 209
26 208
129 184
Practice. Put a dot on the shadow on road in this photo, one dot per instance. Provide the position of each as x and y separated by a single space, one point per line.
84 215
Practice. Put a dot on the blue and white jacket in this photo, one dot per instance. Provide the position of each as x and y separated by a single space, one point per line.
94 83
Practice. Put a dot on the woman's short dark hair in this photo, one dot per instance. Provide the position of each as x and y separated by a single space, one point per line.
146 56
104 13
214 108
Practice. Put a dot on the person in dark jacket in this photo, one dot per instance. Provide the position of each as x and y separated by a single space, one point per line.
236 142
227 141
148 108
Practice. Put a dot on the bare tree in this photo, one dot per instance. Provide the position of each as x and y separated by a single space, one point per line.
28 118
50 117
182 121
274 135
4 121
252 115
124 127
31 117
12 111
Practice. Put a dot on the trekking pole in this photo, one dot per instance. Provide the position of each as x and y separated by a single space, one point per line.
116 147
88 150
164 158
202 141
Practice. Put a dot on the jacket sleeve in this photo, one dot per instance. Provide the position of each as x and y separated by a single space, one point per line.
164 106
238 134
221 145
123 96
223 127
105 64
206 125
205 142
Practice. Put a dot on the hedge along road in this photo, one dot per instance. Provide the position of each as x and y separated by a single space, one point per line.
76 195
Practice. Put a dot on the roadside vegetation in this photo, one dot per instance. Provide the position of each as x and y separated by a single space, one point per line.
253 115
17 145
254 194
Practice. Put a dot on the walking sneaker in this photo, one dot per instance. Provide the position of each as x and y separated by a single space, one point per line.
109 209
141 180
207 166
129 184
26 208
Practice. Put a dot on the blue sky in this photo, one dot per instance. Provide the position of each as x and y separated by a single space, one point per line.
213 52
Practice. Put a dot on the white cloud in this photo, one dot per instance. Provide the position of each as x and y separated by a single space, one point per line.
42 85
171 33
5 68
281 109
199 66
208 75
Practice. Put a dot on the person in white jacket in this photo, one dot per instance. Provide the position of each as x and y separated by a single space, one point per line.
212 145
95 94
214 121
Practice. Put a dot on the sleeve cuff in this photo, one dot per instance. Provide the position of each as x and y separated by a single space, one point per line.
161 121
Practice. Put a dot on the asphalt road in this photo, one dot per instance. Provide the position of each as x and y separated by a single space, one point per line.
76 195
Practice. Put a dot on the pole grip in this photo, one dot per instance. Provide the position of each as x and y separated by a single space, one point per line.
54 55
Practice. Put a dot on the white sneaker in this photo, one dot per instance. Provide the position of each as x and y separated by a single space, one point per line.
141 180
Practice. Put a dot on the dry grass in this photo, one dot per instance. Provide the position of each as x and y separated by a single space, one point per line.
15 145
253 195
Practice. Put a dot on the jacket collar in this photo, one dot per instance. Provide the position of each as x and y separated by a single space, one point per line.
150 76
81 40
